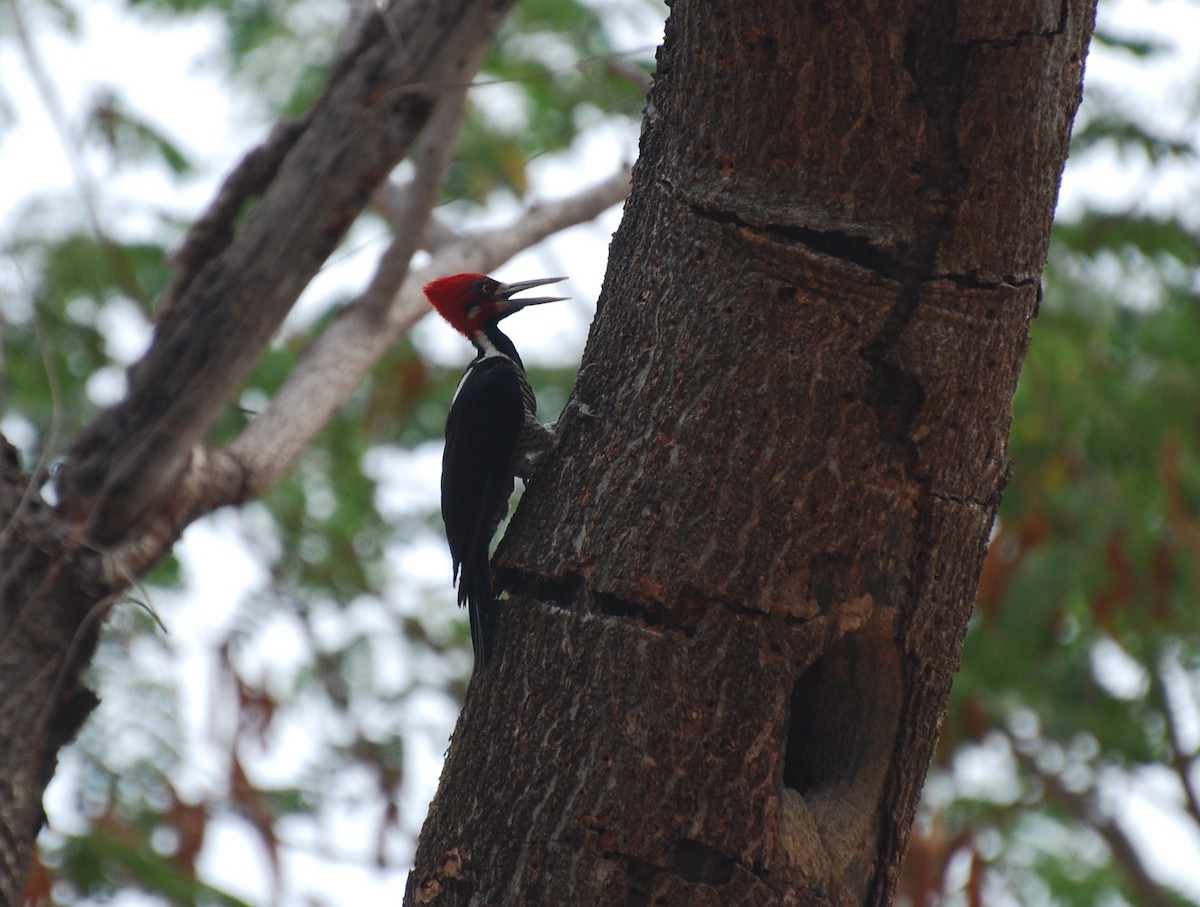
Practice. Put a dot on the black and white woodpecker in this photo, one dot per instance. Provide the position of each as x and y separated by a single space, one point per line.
492 434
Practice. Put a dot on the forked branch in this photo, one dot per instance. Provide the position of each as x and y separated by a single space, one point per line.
269 447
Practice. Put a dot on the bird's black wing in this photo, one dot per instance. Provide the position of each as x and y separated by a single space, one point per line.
477 480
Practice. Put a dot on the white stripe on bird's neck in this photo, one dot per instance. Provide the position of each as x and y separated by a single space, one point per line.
487 350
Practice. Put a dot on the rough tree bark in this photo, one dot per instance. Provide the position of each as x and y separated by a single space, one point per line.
737 599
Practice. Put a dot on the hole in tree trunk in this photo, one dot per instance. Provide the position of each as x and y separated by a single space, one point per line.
841 734
843 714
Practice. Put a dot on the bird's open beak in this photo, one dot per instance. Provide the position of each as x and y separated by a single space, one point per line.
506 305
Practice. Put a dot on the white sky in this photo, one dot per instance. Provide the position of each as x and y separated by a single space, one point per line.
165 75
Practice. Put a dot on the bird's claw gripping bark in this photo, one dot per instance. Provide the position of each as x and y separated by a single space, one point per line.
573 407
550 438
582 409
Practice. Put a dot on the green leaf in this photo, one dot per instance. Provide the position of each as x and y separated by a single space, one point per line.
1118 130
100 863
129 138
1138 47
1148 236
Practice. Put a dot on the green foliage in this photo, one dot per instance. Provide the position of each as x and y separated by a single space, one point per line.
1126 136
104 862
561 72
130 138
551 73
83 284
1138 48
1161 242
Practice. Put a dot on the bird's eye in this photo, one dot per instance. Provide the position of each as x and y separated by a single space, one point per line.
486 287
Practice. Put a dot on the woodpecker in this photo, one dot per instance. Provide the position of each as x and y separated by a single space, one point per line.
492 434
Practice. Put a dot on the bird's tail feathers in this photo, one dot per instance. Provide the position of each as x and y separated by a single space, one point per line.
475 585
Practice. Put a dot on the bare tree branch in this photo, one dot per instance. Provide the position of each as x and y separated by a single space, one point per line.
488 249
390 200
377 102
439 234
413 211
214 230
336 364
330 370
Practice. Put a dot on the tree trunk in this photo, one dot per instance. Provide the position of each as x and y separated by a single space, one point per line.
737 599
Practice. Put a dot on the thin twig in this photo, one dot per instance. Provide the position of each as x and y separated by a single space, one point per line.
430 162
390 200
1182 761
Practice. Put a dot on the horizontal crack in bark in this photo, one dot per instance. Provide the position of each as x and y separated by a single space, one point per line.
857 250
682 615
1042 34
957 499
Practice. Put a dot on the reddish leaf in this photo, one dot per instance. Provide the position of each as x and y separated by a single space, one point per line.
38 884
1121 591
190 820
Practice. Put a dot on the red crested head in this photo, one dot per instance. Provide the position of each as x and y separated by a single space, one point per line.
464 300
470 302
